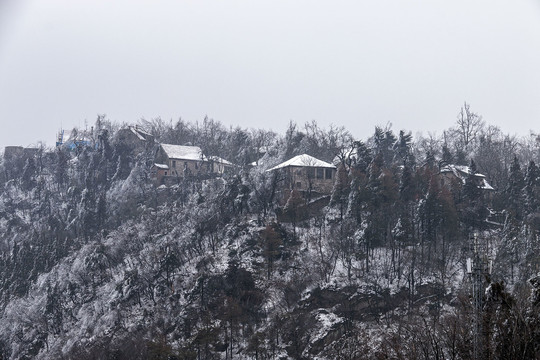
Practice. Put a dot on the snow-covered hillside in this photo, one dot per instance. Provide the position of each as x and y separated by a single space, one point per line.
99 262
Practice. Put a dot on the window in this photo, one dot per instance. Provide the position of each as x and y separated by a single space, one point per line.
328 173
174 163
311 173
165 173
320 173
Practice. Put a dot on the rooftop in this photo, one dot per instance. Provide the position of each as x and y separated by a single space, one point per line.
303 160
140 133
461 172
219 160
183 152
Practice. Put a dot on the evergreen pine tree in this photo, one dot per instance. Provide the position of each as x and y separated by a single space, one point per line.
430 159
447 155
384 141
407 186
61 167
402 148
340 192
360 157
514 190
28 180
531 191
474 211
471 190
354 206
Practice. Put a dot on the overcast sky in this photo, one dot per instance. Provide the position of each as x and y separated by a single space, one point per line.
262 63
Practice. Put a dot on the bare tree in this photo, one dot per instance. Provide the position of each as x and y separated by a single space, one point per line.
469 124
429 144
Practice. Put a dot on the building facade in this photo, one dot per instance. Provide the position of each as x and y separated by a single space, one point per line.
180 161
307 174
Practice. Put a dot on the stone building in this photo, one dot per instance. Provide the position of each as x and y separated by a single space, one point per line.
135 137
14 152
452 175
180 161
307 174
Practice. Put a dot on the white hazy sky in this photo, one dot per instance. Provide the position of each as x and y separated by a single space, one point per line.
262 63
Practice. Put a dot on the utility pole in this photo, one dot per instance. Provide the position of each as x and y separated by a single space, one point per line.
479 268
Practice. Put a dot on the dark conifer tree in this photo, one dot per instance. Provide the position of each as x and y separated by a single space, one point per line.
340 192
359 165
293 138
60 166
101 211
447 156
473 207
402 148
271 243
384 141
122 164
430 159
357 195
514 190
407 185
28 180
374 177
461 157
531 191
360 157
430 215
293 208
471 189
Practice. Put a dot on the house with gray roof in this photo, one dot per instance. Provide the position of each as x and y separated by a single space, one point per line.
182 161
458 174
307 174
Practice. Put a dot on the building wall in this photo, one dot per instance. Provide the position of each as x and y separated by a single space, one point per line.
180 167
11 152
127 137
453 183
159 174
318 180
220 169
449 180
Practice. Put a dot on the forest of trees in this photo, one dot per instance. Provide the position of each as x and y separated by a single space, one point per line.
97 262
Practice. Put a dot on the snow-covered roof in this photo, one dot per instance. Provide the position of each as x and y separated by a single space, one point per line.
140 133
303 160
462 171
459 170
183 152
486 186
219 160
161 166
